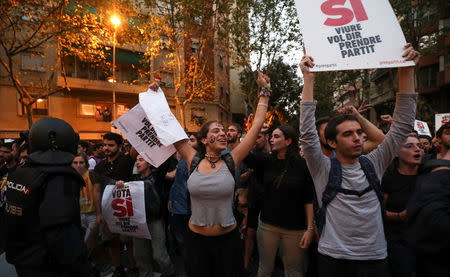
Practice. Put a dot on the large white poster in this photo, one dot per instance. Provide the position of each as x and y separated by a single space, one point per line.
140 132
351 34
441 119
158 112
124 209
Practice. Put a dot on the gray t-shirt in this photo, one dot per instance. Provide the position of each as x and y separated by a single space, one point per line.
212 197
354 225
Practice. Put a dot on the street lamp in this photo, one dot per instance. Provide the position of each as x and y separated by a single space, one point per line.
116 22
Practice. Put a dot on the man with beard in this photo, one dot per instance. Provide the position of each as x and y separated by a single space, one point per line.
234 134
115 166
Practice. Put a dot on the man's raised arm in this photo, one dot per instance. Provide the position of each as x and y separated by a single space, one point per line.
404 115
309 138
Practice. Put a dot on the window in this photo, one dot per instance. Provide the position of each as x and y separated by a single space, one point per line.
87 109
39 107
198 116
122 109
195 46
33 62
428 76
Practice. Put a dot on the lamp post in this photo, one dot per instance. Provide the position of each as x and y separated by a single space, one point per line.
115 21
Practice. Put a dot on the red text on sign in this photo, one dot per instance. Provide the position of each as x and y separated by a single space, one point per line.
122 207
346 14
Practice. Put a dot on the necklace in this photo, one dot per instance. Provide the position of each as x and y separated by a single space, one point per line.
210 160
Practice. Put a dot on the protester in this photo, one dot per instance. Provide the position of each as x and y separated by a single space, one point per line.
212 233
145 249
115 167
428 216
443 140
254 192
97 153
234 134
87 206
352 241
43 220
443 137
286 204
426 143
398 187
9 159
179 205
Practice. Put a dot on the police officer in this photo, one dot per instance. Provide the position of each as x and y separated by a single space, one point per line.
42 211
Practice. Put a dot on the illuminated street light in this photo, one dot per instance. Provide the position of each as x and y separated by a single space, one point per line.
115 21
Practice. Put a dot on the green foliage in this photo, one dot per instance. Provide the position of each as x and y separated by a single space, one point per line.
285 88
324 87
262 32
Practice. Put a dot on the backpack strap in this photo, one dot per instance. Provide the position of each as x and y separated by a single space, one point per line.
330 192
195 162
374 182
334 187
228 159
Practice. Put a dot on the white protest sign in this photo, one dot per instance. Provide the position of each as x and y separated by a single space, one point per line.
422 128
440 119
158 112
351 34
138 130
124 210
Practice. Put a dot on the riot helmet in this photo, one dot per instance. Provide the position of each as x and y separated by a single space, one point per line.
52 141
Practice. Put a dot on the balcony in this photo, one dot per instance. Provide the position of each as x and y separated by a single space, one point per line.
99 85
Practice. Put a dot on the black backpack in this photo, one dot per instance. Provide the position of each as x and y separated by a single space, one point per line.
334 187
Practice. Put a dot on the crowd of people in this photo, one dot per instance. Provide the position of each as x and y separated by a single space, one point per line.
338 198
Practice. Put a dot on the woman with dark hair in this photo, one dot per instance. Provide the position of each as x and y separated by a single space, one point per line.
213 246
87 207
398 186
285 204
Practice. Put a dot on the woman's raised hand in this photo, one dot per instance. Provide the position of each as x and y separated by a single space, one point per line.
263 80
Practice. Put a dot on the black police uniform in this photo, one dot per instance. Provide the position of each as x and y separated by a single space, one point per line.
42 212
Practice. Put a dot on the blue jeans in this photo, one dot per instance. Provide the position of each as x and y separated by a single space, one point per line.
179 224
143 249
402 259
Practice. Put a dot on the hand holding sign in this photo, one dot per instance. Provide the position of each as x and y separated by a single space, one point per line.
124 209
305 65
355 34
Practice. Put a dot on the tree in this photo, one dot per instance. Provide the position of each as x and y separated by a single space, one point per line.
192 33
263 32
81 28
324 86
285 88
